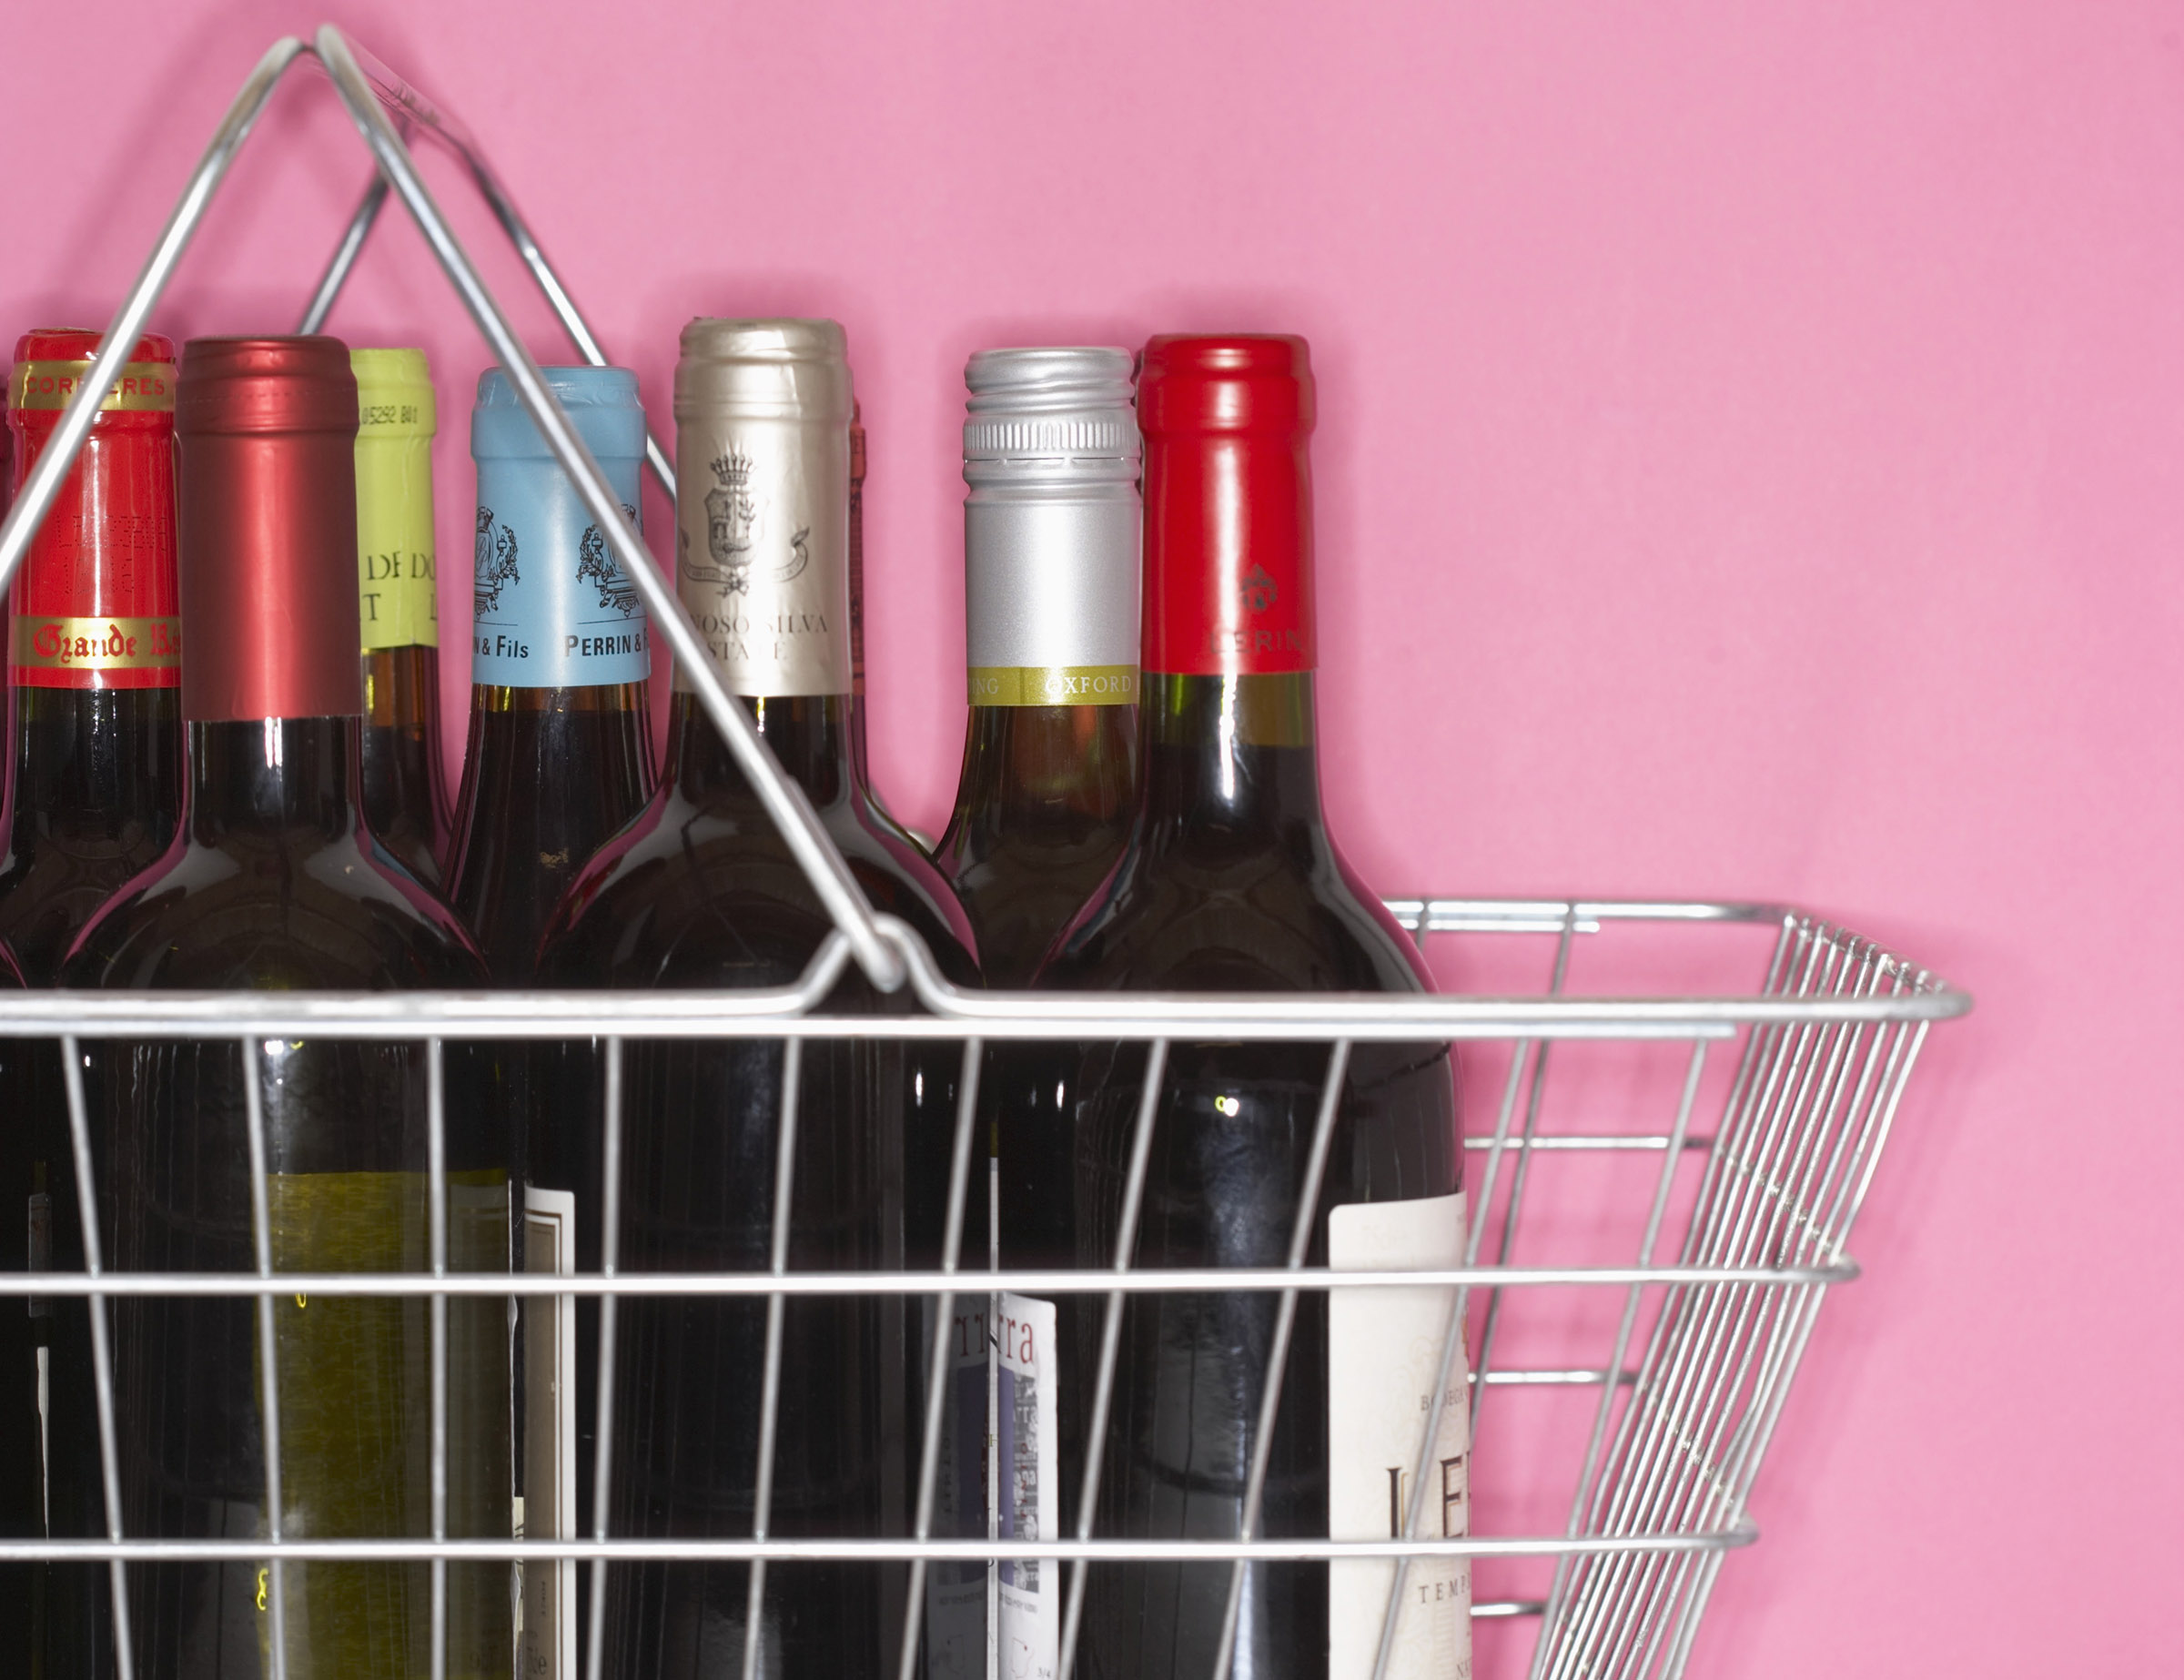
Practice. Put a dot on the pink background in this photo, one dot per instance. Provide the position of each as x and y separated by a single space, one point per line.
1749 465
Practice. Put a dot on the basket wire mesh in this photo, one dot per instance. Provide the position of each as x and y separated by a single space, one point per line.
1669 1449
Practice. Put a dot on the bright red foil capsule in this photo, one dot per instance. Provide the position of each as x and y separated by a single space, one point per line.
1227 504
94 600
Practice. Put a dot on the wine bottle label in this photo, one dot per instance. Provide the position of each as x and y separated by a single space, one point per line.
356 1413
1051 596
761 547
1054 685
83 651
144 386
547 1620
553 607
398 598
1383 1357
1011 1367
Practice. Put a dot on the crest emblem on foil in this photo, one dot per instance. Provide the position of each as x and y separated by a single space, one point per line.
731 534
1258 589
495 566
596 565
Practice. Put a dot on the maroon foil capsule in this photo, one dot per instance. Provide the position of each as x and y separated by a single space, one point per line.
267 430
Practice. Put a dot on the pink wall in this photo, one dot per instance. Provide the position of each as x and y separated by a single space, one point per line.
1749 465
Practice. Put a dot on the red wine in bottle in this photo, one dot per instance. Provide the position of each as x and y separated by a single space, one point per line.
1051 534
275 881
405 795
1230 883
701 891
560 753
94 791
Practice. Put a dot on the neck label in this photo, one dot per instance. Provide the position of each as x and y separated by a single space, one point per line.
1054 685
144 387
95 600
761 549
553 606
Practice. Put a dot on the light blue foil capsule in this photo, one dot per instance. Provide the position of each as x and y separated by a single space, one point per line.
554 607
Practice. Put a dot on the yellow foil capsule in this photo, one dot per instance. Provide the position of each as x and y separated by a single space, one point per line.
397 418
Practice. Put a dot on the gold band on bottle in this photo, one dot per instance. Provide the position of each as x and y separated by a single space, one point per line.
144 386
49 643
1054 685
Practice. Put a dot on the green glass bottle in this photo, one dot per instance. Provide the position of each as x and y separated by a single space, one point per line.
275 882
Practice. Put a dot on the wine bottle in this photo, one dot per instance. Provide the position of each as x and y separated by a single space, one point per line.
1050 554
275 882
1230 883
560 753
405 794
701 891
94 774
94 793
24 1348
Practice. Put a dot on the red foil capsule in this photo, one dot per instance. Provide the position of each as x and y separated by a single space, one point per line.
1227 504
94 601
268 433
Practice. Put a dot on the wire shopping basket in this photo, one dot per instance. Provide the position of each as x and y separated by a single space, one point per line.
1701 1158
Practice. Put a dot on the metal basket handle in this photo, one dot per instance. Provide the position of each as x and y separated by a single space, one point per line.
375 100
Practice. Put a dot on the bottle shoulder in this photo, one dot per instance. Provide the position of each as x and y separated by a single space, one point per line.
307 913
1286 917
688 894
901 881
707 893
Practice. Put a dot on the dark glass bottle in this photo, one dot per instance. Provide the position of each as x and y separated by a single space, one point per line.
701 891
560 753
1230 883
860 757
94 774
1050 590
405 794
275 881
559 757
25 1346
94 793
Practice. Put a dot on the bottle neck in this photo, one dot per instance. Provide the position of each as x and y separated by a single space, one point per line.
94 760
1038 772
284 779
810 736
1228 759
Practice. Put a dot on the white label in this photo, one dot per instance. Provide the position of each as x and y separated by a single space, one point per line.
546 1506
1029 1589
1384 1353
